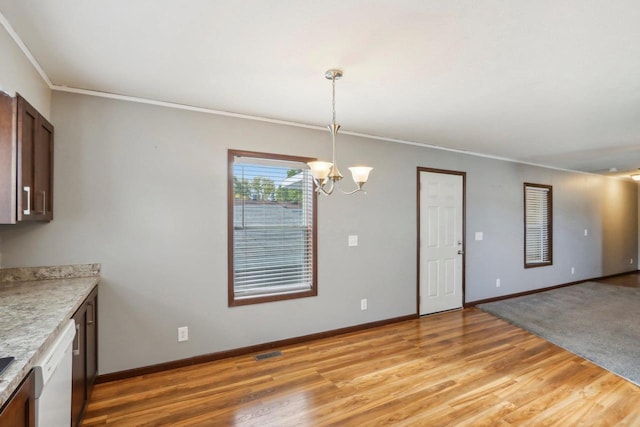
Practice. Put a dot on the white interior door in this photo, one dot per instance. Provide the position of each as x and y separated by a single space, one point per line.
441 242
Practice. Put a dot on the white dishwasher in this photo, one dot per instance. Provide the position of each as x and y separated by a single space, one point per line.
53 381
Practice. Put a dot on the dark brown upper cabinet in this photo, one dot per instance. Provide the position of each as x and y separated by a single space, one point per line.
26 162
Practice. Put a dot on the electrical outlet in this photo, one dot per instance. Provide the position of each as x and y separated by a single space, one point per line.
183 334
631 261
353 240
363 304
573 270
497 283
586 232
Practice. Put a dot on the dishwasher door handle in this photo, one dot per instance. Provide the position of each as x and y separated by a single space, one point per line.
76 343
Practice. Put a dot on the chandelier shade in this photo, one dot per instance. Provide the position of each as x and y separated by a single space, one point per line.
320 170
360 174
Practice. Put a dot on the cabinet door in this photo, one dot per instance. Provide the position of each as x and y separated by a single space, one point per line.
78 376
27 135
35 164
92 341
20 410
8 160
43 171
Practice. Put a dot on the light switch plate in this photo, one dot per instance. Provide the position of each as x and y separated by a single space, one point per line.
183 333
479 235
353 240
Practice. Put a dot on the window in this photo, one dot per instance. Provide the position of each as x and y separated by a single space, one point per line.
538 230
272 228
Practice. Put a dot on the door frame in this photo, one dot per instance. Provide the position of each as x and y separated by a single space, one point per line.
419 170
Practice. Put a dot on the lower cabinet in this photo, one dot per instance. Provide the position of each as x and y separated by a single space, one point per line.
85 356
20 409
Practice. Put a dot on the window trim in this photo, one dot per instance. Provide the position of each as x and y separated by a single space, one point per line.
549 225
233 302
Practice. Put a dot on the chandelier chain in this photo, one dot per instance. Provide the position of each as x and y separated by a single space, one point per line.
333 103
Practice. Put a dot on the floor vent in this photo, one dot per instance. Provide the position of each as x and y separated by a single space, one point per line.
268 355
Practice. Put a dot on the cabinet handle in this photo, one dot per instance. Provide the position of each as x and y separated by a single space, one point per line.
28 191
44 202
76 344
93 314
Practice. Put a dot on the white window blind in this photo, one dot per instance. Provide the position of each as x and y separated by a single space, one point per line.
537 225
273 247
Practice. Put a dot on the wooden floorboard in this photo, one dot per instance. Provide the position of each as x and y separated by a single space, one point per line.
457 368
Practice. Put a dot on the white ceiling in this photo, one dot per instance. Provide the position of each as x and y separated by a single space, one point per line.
551 82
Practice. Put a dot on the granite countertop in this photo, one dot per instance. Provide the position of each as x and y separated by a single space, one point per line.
34 305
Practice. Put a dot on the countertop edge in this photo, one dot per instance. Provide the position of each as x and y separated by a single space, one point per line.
26 274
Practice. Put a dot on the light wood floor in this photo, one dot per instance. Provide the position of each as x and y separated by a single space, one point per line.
458 368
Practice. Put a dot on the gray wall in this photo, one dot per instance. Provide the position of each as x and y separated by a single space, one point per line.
18 75
142 190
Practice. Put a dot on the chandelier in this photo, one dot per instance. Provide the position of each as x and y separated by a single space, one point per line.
326 174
